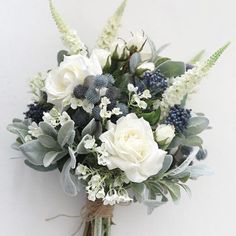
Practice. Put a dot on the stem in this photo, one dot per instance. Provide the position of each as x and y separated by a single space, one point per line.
98 227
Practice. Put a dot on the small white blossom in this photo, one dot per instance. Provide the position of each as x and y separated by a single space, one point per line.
64 118
74 103
131 88
105 101
82 170
146 94
34 130
28 138
90 143
100 194
48 118
116 111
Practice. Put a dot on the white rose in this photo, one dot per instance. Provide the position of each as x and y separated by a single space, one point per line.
165 133
137 40
119 47
60 82
102 55
131 147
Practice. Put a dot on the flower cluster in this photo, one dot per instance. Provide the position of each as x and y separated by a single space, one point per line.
114 120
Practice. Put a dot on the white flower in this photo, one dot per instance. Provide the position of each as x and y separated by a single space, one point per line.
131 88
87 106
105 114
102 55
119 48
105 101
28 138
116 111
132 148
34 130
137 41
146 66
146 94
82 170
73 70
48 118
90 143
165 133
100 194
64 118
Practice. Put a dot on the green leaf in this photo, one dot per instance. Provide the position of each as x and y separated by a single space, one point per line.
65 133
40 168
172 68
34 151
48 142
177 140
199 170
152 117
196 125
160 60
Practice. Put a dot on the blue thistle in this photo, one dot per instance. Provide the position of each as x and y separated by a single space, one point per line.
178 117
110 79
79 91
100 81
92 96
155 82
113 93
123 108
81 118
201 155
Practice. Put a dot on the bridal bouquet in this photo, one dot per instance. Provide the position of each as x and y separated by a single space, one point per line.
114 122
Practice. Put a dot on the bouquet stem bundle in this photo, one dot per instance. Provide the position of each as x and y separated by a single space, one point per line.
98 219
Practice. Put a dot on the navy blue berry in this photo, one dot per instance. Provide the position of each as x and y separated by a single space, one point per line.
79 91
179 117
155 82
201 155
35 112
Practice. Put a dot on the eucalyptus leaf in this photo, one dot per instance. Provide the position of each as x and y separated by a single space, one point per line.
69 182
193 141
173 189
160 60
177 140
196 125
40 168
65 133
138 189
172 68
34 151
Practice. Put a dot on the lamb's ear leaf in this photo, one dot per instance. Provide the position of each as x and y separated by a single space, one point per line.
69 182
40 168
48 129
166 165
134 62
94 128
52 157
110 30
80 148
48 142
152 204
65 133
34 151
196 125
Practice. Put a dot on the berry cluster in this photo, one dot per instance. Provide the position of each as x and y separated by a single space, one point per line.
35 112
178 116
155 82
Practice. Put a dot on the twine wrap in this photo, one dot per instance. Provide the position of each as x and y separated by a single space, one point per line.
96 209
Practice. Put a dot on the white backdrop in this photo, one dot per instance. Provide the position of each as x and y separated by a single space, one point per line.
28 44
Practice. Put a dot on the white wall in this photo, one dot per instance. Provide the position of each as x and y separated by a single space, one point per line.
29 43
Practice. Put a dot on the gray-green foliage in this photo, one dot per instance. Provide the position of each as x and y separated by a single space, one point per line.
43 152
69 182
190 136
168 183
